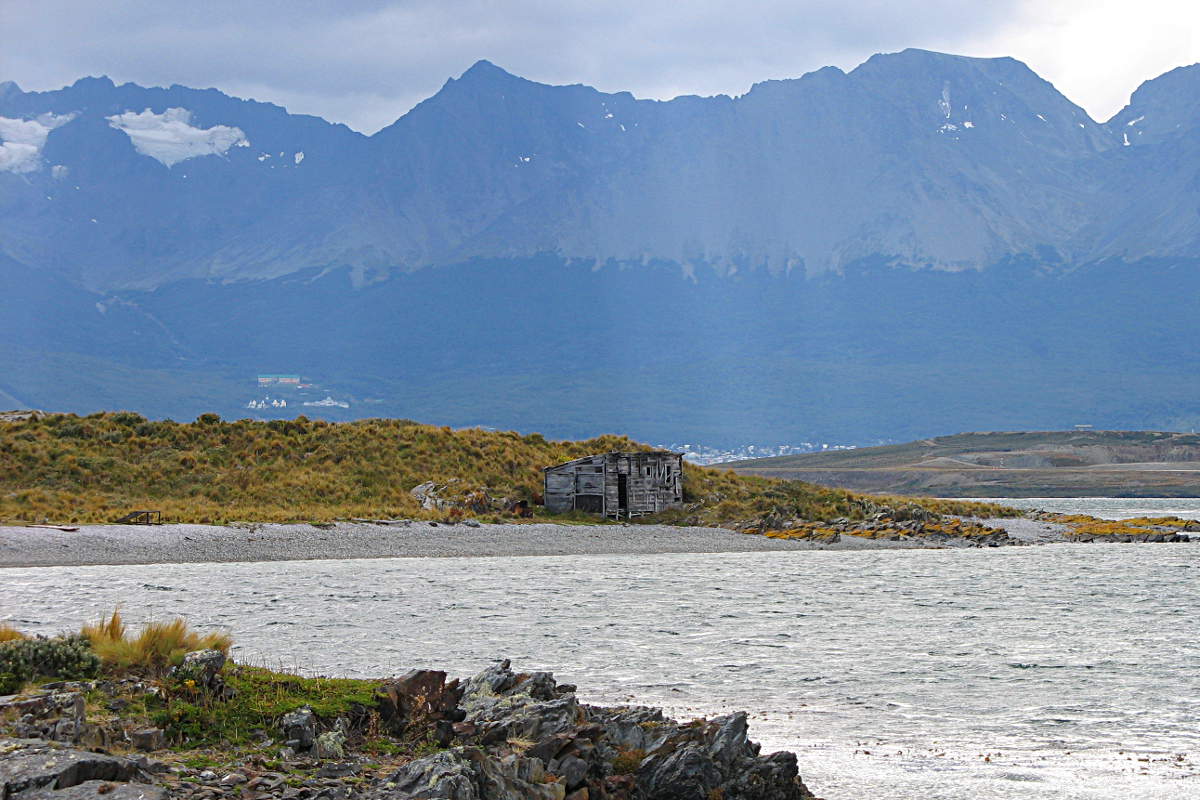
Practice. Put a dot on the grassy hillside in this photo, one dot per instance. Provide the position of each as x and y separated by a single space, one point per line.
65 468
1030 463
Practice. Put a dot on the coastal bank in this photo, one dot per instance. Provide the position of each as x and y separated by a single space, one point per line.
212 730
262 542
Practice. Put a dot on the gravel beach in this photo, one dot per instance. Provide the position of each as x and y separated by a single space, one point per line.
179 543
165 544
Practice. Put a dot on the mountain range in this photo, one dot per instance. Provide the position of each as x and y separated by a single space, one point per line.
927 242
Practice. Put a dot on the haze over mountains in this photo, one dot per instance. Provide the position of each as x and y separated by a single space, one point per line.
926 243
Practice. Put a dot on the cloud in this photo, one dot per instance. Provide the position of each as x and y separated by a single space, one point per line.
170 136
22 140
366 62
1097 52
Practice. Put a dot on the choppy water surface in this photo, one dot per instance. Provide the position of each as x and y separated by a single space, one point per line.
1062 671
1109 507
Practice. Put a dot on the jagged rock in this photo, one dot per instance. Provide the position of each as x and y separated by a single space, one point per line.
99 790
631 728
44 704
21 415
683 774
470 773
35 764
579 744
730 742
573 770
148 739
717 758
299 729
202 666
332 744
504 705
419 694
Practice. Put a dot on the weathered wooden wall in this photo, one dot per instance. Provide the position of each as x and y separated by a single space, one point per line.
653 482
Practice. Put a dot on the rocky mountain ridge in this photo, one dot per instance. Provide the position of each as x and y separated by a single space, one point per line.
922 159
924 243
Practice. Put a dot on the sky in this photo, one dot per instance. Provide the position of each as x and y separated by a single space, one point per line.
366 62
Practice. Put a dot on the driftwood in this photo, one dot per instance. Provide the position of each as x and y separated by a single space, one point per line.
141 518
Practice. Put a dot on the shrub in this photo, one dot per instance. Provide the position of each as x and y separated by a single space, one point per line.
10 683
68 657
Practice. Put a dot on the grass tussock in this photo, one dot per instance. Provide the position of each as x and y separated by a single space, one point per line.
158 646
8 633
65 468
192 716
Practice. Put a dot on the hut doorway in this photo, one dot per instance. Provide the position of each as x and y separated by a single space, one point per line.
623 494
592 503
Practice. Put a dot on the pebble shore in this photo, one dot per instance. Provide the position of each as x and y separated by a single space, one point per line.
183 543
172 543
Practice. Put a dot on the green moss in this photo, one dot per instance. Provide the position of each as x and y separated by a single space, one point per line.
261 697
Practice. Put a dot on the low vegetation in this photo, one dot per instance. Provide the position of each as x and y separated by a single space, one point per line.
193 717
25 658
153 650
63 468
1083 526
886 529
8 633
256 700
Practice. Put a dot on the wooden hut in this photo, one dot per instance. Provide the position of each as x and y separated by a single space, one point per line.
616 484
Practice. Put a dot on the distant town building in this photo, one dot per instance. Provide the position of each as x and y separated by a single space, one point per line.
616 484
270 380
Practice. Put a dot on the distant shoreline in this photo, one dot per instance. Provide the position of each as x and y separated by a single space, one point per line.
94 545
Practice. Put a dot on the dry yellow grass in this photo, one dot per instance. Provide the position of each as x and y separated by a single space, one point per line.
8 633
156 647
65 468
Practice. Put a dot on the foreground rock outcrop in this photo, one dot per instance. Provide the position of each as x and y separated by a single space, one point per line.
500 735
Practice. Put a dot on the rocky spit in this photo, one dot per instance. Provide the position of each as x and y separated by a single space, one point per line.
188 543
181 543
500 735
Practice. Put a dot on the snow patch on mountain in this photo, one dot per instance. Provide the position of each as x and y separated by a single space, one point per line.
170 137
21 141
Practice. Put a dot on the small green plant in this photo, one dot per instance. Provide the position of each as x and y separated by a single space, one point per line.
10 682
259 698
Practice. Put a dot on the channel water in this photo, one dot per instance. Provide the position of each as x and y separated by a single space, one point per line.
1057 671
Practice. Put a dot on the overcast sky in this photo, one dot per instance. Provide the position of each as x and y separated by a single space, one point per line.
366 62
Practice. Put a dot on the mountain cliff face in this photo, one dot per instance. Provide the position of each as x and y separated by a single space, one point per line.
919 158
802 237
